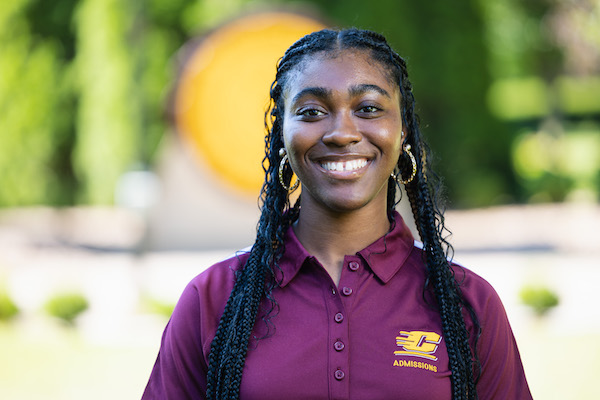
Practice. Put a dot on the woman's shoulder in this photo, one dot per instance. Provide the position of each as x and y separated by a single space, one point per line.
469 281
478 292
471 284
220 275
201 304
474 288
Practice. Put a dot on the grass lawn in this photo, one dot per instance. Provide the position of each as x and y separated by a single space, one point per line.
562 366
56 363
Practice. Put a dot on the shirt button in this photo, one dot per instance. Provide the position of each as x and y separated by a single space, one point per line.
339 317
354 266
347 291
339 374
333 291
339 345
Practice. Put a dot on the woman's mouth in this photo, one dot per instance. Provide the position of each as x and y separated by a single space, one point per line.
344 166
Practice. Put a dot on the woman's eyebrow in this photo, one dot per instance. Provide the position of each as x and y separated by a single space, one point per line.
319 92
323 93
358 90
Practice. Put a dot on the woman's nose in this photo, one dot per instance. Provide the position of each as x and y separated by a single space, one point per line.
343 131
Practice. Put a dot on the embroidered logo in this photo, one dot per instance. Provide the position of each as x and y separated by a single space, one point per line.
418 344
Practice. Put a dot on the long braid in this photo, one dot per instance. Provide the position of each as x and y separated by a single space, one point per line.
257 279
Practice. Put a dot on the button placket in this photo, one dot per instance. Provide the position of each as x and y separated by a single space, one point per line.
353 273
351 278
338 356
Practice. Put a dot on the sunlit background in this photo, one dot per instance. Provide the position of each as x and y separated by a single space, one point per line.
131 141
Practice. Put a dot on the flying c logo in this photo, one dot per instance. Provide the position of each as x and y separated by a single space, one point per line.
418 344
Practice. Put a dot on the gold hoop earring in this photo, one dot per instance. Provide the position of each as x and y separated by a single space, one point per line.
283 153
414 166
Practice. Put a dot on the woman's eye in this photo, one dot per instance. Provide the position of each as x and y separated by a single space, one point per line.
310 113
369 109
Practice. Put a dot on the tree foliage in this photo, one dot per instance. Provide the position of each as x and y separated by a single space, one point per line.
109 115
34 89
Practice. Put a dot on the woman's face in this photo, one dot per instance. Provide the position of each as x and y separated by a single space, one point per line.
342 130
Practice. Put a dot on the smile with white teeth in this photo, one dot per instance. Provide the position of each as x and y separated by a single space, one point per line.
350 165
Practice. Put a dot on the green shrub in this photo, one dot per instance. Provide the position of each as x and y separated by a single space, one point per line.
8 309
157 306
67 306
541 299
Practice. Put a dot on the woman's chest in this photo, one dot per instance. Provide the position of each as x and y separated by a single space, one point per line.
333 344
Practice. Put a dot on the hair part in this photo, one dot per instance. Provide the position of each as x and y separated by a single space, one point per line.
257 279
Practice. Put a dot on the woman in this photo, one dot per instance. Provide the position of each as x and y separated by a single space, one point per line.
335 300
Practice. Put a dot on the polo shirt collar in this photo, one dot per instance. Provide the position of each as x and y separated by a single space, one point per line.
385 256
388 254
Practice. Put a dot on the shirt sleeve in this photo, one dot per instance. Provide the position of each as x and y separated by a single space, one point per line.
502 375
180 368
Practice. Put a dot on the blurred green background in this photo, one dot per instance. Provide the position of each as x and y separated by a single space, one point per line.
508 91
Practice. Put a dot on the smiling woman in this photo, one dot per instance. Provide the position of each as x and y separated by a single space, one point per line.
335 299
343 132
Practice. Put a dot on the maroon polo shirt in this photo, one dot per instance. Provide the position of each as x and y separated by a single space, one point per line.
372 337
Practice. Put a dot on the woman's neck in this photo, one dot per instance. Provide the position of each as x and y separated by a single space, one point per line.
329 235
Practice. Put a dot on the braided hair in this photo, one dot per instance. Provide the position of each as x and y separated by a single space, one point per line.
257 279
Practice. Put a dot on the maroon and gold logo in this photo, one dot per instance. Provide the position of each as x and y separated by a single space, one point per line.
417 344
